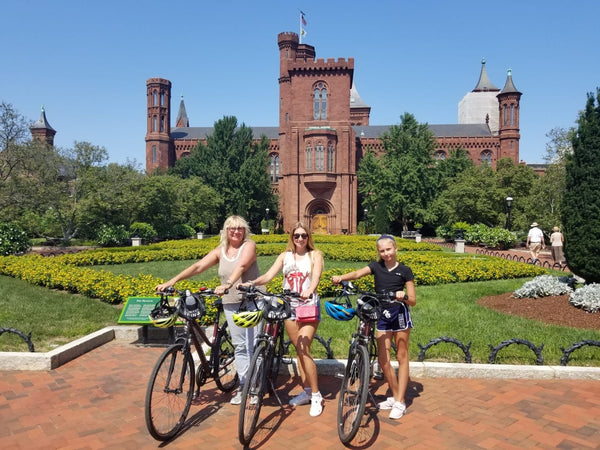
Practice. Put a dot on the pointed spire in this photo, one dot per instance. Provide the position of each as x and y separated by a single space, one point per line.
42 122
509 85
182 118
355 100
484 84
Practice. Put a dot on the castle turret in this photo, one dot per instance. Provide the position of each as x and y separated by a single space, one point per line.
160 153
182 118
509 110
480 105
41 130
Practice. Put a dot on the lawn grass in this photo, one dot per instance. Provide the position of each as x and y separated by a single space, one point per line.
54 318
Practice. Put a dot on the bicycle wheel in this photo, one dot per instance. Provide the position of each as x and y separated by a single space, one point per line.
169 393
277 360
253 393
225 371
353 393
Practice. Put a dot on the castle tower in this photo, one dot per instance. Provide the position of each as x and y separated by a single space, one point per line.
509 109
182 118
316 141
160 152
41 130
480 105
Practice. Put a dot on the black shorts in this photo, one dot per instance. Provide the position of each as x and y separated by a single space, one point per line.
396 318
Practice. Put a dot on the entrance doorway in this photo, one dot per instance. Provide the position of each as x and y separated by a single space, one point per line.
319 224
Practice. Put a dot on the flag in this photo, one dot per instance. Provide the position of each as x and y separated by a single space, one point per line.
302 18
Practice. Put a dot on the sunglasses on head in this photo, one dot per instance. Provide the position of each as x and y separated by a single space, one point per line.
300 235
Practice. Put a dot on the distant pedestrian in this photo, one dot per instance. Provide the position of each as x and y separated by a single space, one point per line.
535 242
556 242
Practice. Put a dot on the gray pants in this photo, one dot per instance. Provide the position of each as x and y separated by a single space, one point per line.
243 341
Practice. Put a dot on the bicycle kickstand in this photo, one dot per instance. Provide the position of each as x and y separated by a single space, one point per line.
274 392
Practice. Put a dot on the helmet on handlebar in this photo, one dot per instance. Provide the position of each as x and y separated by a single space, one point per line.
247 319
368 307
191 306
276 308
338 310
163 315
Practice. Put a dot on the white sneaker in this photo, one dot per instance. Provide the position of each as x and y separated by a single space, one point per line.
388 404
316 405
237 398
398 410
301 399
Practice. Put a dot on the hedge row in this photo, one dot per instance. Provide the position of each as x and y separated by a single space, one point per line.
69 272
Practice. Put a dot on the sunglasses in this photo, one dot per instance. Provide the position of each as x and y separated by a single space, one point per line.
235 228
300 236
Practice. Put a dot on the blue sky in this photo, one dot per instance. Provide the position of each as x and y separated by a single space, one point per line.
88 62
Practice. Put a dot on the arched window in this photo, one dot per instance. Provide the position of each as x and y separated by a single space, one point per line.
505 115
512 114
319 158
154 154
486 157
330 159
162 123
154 122
154 98
308 158
320 101
162 99
440 155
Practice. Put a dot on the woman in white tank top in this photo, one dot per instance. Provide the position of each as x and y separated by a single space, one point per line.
301 265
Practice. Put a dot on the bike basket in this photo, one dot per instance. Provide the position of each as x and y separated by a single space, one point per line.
368 308
276 309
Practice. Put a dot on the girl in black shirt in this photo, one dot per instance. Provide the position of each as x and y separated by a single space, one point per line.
395 322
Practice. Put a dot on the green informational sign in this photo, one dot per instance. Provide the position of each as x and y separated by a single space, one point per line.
136 310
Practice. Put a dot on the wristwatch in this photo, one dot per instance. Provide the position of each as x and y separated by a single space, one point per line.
405 297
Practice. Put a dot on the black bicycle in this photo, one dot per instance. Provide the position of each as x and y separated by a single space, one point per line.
362 355
171 387
269 353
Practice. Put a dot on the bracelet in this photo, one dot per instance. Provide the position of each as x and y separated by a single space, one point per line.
229 283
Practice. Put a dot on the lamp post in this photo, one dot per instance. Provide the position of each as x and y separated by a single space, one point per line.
365 218
266 229
509 201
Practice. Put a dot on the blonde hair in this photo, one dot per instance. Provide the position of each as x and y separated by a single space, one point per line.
234 222
310 245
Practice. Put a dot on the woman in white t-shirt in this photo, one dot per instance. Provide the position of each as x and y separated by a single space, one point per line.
301 265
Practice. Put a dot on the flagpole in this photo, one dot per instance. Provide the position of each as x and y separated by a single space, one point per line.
300 27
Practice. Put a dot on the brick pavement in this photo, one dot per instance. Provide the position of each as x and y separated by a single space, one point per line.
97 401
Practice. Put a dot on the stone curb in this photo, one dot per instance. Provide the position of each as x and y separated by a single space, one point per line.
330 367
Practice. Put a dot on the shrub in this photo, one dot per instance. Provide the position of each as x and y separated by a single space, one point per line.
445 232
180 231
143 230
587 298
12 239
543 286
112 235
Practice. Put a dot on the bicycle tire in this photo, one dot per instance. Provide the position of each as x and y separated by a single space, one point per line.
277 360
226 376
169 393
353 393
253 393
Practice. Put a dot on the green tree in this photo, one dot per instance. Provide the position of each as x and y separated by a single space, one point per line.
406 181
235 166
580 207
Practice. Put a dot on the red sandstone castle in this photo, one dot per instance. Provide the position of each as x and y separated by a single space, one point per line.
324 131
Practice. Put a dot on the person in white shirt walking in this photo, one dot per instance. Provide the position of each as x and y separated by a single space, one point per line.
535 242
